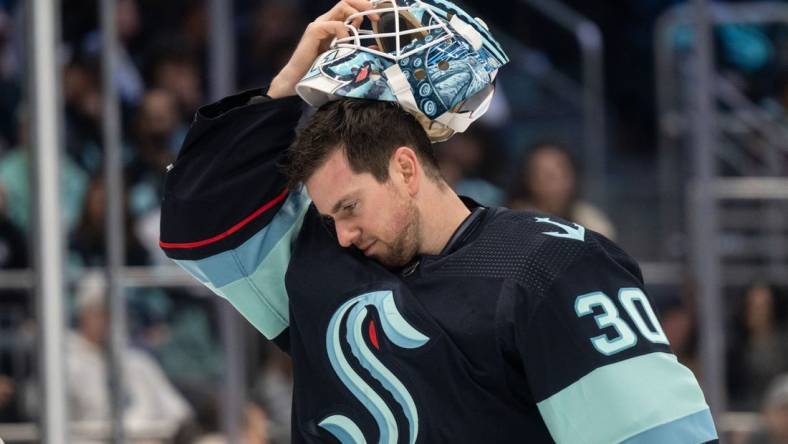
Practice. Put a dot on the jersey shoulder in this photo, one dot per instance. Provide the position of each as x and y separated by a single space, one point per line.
530 248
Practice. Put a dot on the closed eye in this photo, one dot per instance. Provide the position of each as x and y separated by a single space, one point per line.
349 208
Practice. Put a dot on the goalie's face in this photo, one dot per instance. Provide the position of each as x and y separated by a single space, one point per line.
379 219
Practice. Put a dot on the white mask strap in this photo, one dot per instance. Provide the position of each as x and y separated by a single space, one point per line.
460 121
401 87
469 32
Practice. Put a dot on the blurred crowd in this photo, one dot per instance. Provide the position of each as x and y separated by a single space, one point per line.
173 361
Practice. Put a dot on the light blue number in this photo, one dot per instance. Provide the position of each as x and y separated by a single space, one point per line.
628 297
584 305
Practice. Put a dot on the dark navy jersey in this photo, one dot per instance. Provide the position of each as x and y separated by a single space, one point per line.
528 328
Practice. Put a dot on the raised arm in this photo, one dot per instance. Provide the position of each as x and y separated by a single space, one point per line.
227 217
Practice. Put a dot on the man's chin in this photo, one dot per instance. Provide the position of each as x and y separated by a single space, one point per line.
392 263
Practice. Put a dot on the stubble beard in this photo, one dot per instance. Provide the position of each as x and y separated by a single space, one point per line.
405 245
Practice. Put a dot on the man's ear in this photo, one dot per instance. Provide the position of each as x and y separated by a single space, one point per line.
406 168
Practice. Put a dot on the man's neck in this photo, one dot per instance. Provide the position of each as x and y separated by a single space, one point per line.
442 212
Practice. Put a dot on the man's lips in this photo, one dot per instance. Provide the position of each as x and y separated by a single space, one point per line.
367 248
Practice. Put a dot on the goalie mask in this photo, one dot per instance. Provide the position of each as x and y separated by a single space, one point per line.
429 56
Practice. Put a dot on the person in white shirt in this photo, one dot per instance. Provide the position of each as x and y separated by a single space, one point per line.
149 397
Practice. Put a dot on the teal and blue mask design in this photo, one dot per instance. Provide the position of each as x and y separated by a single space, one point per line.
429 56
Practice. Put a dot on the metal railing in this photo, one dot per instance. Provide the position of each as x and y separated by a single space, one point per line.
92 431
590 42
689 90
129 277
673 110
222 75
45 131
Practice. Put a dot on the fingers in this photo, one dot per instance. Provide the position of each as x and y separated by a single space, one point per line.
338 29
363 5
339 12
315 41
346 8
357 21
323 30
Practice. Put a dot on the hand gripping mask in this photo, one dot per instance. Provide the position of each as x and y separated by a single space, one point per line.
430 56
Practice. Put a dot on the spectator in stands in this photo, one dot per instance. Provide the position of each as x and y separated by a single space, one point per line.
192 356
765 353
182 22
151 398
680 325
10 87
127 78
195 29
775 414
253 428
173 66
762 350
13 255
83 101
6 391
15 180
466 163
158 134
87 243
274 390
268 44
548 183
13 245
8 409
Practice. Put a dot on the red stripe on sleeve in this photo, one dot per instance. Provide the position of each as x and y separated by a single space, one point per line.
233 229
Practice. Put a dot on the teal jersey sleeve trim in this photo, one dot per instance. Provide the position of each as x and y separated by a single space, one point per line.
229 266
621 400
697 428
251 276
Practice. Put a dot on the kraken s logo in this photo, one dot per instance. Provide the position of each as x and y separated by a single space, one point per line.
400 333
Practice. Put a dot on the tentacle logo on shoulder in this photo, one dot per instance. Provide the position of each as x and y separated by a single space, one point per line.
577 232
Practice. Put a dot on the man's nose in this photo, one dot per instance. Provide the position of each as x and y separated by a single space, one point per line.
346 234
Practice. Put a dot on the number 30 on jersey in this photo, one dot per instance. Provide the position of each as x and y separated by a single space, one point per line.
625 338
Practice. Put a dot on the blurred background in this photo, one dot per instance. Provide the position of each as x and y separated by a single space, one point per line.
661 124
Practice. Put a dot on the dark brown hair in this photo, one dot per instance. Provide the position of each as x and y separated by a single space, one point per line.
521 186
368 131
